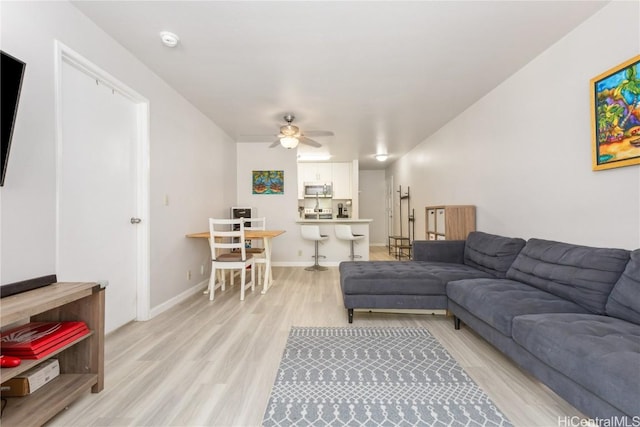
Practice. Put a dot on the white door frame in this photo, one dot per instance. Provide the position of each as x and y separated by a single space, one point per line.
65 54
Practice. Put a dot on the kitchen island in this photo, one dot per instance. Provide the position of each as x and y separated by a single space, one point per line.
334 249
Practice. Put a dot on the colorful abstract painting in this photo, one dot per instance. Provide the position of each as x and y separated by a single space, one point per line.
268 182
615 103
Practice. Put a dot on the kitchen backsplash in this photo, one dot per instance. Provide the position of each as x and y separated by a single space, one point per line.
326 206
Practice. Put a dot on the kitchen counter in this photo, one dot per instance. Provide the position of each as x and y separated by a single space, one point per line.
333 221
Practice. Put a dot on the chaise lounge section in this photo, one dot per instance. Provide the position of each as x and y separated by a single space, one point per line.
421 283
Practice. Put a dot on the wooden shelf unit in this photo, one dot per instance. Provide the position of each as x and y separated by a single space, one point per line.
81 361
449 222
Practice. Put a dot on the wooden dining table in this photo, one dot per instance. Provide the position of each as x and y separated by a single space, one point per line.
266 236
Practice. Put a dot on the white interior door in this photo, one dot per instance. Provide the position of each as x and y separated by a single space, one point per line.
97 191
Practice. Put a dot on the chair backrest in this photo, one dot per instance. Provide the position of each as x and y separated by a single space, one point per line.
256 223
343 231
310 232
227 234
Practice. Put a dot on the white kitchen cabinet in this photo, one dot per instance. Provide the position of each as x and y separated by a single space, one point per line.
341 174
315 172
319 172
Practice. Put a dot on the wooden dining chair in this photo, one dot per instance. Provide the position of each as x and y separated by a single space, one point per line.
228 253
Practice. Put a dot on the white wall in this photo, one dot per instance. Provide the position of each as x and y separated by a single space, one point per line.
522 154
372 196
281 211
192 160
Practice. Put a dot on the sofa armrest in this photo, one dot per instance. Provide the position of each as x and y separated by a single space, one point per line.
439 250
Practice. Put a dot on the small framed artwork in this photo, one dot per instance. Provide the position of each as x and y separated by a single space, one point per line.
615 116
268 182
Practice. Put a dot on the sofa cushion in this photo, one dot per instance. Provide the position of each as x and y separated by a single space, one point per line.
582 274
600 353
439 251
401 278
448 272
624 300
490 253
497 301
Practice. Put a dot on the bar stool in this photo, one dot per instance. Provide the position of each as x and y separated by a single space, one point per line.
312 232
343 232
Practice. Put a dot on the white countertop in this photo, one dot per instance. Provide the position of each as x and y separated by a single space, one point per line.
333 221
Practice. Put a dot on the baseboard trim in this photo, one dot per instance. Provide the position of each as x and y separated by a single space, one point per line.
305 264
178 299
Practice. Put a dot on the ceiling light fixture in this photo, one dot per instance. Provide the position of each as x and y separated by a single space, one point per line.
289 142
381 157
169 39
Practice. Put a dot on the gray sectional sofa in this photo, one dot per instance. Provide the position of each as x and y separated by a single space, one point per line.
568 314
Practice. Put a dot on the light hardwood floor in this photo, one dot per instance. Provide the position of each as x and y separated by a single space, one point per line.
206 363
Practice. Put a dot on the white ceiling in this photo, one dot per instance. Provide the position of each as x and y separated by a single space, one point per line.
382 76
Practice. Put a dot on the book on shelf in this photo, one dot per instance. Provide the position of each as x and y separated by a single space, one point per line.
35 340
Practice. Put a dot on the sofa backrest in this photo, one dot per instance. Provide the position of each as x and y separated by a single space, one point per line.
624 300
491 253
582 274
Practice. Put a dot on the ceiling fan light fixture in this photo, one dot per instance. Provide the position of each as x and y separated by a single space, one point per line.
289 142
381 157
289 130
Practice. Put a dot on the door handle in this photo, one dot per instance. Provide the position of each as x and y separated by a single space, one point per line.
135 220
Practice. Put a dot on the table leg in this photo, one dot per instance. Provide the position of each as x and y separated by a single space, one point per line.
267 268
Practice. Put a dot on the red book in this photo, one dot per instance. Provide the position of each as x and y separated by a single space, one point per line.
54 345
36 336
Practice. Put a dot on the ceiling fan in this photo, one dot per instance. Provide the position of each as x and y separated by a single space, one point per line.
290 135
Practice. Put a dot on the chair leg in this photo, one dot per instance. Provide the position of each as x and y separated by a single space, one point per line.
253 277
316 266
212 282
259 268
352 255
243 276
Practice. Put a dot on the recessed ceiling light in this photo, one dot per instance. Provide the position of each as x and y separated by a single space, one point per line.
169 39
381 157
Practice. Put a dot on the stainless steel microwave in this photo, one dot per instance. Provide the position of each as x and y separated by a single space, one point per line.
318 189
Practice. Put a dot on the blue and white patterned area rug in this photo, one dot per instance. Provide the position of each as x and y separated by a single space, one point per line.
374 377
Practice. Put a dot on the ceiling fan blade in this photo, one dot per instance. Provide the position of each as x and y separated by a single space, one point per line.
275 143
309 141
319 133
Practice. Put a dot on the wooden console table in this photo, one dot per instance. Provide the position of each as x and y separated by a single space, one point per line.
81 361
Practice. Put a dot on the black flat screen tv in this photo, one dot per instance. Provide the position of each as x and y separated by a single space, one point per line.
11 73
